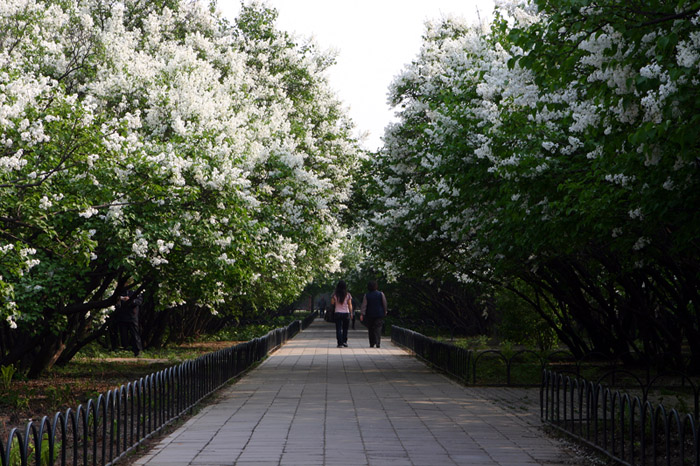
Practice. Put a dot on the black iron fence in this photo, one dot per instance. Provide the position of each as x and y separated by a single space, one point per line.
107 428
308 320
454 360
630 427
489 367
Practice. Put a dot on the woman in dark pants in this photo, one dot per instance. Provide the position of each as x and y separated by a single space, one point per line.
373 311
342 301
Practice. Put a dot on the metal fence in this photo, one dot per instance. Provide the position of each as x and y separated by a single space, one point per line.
308 320
631 429
468 365
454 360
105 429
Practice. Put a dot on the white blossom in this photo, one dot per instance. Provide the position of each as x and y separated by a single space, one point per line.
11 320
641 243
636 214
140 247
89 212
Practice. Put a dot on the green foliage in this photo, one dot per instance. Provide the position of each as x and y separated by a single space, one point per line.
245 333
193 159
554 156
7 372
45 458
476 343
521 324
59 396
251 331
507 349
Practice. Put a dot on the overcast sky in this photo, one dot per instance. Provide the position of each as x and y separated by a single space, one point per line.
374 40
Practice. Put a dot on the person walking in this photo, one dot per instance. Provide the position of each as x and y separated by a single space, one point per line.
372 313
342 300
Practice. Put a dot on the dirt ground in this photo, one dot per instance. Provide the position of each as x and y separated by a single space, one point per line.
80 380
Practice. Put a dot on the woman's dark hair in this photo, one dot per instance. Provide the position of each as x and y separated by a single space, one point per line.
341 291
372 285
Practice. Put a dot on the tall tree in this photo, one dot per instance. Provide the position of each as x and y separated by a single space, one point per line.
556 151
155 145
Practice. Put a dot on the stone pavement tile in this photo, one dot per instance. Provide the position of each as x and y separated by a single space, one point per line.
388 455
432 460
369 447
346 462
518 462
310 452
250 463
389 462
214 458
168 459
311 403
381 461
301 462
476 458
166 462
258 456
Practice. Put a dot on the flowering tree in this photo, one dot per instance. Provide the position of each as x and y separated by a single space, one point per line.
154 145
555 155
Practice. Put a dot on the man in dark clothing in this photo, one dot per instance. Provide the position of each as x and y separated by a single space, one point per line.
127 319
374 309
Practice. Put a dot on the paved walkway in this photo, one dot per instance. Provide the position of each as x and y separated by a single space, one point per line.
311 403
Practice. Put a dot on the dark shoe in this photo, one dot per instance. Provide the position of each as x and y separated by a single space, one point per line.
345 345
371 346
377 346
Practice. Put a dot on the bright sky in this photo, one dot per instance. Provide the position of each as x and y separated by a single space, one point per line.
374 40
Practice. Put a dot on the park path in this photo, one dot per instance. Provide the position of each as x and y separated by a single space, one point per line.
311 403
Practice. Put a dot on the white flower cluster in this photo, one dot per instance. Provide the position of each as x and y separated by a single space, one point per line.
620 179
487 151
183 143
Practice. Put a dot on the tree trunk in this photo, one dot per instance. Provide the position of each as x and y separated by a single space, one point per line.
48 353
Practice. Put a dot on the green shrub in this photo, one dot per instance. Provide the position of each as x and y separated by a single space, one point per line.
522 325
6 374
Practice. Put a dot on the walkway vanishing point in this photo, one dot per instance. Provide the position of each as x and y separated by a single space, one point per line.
311 403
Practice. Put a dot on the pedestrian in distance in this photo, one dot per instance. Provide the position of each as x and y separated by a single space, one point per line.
342 300
322 307
372 313
127 319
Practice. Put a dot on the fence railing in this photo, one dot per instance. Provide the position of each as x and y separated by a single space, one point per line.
107 428
452 359
469 366
631 429
308 320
